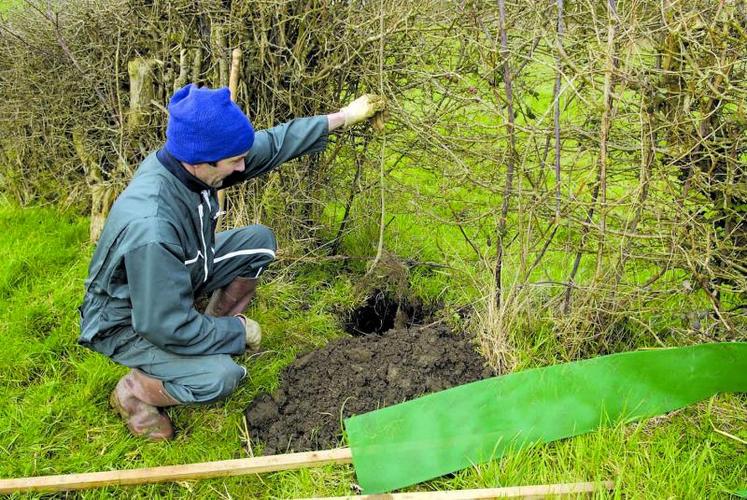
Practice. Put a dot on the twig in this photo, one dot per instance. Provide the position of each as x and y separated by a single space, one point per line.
556 110
730 436
605 128
501 229
55 21
351 196
382 225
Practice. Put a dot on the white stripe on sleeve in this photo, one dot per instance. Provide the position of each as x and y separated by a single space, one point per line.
253 251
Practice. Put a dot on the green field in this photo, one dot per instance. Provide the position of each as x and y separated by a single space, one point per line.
54 416
8 4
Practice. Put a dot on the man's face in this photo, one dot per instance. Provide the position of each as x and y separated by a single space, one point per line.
213 175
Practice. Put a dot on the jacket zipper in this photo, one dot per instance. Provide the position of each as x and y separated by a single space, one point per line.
202 237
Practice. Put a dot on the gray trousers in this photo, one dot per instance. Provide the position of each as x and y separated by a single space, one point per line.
202 379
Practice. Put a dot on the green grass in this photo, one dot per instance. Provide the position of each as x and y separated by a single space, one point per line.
54 416
6 5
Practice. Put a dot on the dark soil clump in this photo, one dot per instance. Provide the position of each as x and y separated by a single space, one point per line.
355 375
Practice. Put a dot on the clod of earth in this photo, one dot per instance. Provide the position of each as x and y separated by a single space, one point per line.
355 375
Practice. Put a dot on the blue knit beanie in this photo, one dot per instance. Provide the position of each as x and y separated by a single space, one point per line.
206 126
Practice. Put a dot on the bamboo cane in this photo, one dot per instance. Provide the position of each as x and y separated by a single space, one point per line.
540 491
170 473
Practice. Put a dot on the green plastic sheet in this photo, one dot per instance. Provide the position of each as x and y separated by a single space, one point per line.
449 430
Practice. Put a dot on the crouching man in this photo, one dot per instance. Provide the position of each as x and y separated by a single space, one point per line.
158 251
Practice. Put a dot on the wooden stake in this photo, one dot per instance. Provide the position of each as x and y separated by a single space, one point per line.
233 85
540 491
233 81
185 472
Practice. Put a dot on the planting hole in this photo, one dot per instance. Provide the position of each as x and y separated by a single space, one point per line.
381 312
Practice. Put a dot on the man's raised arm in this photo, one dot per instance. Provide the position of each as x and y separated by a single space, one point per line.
274 146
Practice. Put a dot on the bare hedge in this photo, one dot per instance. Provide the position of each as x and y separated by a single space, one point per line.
589 155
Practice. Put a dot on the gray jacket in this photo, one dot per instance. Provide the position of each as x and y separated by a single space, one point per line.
156 249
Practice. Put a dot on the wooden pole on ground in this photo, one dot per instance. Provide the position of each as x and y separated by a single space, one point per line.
539 491
169 473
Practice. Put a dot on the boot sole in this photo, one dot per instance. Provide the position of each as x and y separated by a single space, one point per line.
117 406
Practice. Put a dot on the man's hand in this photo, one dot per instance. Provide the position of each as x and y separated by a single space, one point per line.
362 108
252 332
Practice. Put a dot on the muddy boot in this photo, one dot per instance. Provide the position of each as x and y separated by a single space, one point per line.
137 398
233 299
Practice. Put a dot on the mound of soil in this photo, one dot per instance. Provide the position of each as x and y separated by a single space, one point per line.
355 375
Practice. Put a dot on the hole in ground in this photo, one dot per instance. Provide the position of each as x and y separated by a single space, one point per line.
381 312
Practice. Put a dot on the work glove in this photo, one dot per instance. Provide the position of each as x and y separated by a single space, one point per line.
362 108
252 332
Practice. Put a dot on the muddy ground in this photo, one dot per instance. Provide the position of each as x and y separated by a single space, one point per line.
355 375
